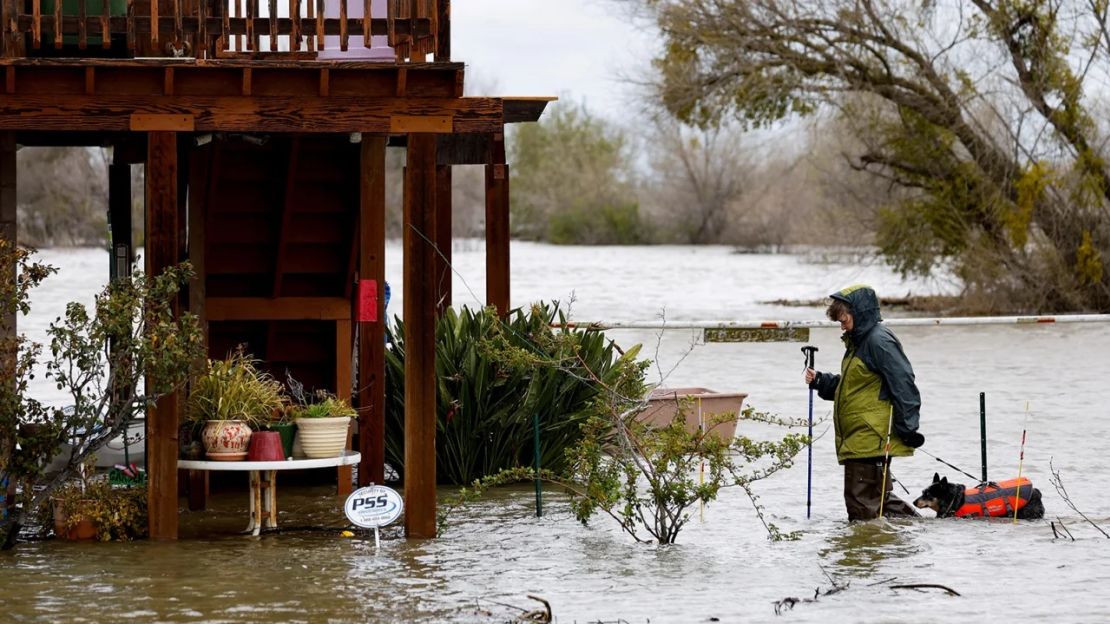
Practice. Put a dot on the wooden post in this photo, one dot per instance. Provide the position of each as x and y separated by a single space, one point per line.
8 233
8 219
419 315
161 252
443 238
371 333
497 229
343 378
443 36
201 181
119 217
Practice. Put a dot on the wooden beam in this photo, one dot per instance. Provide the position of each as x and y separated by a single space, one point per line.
497 237
443 238
129 148
110 112
161 252
223 77
464 149
371 340
278 309
419 315
525 109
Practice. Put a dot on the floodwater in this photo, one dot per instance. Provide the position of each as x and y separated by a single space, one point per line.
1047 380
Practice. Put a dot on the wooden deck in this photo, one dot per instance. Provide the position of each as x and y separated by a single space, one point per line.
265 167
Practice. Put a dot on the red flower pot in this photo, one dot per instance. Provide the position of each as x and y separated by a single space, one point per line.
265 446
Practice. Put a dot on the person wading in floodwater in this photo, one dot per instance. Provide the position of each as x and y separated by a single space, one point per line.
874 391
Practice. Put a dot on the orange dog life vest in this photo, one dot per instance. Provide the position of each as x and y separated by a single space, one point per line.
995 499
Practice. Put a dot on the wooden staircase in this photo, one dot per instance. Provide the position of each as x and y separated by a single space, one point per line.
281 228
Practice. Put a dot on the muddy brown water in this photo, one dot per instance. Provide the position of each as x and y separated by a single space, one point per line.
1049 380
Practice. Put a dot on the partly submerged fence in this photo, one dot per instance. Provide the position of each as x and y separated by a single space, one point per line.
798 331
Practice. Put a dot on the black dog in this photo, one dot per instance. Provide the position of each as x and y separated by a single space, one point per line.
953 499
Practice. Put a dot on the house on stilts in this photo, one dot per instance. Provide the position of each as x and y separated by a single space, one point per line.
263 131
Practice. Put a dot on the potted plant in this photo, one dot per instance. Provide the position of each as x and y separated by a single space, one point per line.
93 508
99 510
230 397
322 425
281 421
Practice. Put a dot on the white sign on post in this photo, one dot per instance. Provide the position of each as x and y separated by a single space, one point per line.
373 507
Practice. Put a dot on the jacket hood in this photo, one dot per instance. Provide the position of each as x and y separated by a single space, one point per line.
864 303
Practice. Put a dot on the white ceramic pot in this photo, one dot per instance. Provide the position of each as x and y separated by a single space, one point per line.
226 439
323 437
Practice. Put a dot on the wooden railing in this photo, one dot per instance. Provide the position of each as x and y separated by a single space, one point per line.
224 28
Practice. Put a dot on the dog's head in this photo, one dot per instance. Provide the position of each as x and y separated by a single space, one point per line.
941 496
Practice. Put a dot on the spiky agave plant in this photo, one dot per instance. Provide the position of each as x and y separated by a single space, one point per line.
493 377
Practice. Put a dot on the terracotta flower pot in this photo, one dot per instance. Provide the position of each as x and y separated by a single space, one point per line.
323 437
84 529
265 446
226 440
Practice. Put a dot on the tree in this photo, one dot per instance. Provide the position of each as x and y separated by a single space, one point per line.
571 181
697 177
114 363
980 115
63 196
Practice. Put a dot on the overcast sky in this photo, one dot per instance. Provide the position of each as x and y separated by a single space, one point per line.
568 48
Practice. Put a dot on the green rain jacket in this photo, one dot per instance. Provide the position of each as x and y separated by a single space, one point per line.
874 374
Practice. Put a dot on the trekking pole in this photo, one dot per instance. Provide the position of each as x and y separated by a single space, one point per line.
886 460
983 431
1021 460
808 351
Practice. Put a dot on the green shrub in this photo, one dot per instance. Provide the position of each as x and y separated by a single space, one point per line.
606 225
119 514
492 377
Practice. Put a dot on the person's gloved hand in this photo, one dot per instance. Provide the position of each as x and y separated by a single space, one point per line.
912 439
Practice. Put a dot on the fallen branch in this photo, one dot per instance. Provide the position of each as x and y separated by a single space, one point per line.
1065 528
786 604
1056 535
920 586
1058 483
537 615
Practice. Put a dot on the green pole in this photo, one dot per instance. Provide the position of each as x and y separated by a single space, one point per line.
536 449
983 431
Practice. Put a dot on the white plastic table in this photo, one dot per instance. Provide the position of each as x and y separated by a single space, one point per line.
263 480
